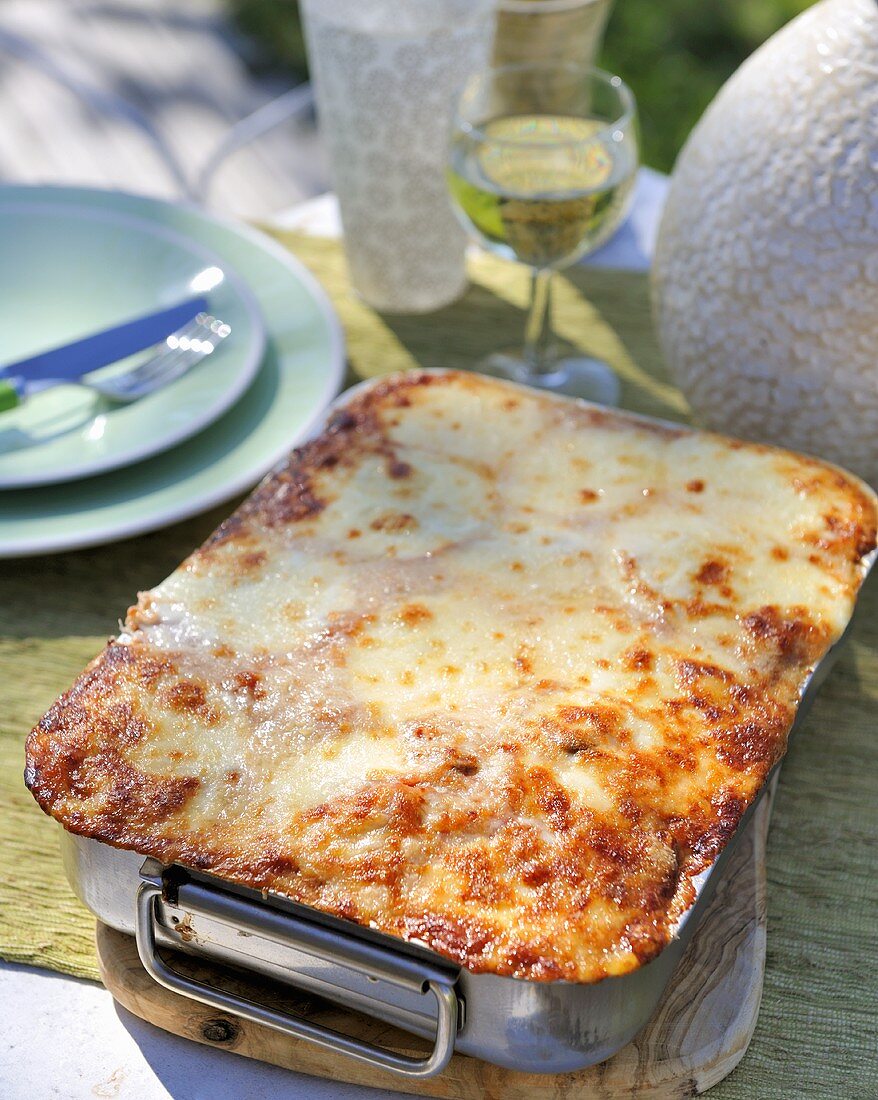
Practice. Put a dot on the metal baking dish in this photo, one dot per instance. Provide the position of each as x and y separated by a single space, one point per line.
542 1027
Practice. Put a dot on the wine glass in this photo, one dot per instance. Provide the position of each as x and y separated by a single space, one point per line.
541 168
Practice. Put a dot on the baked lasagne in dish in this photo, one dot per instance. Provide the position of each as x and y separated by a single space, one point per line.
486 669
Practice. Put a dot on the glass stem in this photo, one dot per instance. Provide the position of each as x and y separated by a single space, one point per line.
538 328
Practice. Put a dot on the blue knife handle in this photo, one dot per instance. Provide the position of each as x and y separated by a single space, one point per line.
72 361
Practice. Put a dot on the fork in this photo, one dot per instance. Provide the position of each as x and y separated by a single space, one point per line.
180 353
176 355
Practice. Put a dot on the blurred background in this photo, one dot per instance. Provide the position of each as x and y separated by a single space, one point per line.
177 97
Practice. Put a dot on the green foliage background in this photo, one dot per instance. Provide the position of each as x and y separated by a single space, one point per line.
675 54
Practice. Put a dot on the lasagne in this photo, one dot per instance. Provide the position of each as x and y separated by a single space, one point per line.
486 669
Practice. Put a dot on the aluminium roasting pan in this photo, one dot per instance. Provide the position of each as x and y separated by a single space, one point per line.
548 1027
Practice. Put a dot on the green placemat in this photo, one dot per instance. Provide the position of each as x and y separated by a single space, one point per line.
816 1031
606 313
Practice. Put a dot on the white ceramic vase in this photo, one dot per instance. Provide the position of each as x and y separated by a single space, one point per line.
766 268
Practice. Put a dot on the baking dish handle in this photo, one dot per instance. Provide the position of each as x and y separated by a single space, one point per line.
148 895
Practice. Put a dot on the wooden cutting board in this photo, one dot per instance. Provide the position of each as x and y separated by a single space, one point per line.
699 1033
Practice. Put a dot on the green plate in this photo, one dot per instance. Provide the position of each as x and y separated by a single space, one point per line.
68 270
301 372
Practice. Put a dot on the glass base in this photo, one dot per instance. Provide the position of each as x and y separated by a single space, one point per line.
574 375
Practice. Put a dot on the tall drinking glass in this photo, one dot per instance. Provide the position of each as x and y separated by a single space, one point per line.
541 169
549 30
385 75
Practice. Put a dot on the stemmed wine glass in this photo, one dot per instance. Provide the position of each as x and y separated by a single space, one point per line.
541 168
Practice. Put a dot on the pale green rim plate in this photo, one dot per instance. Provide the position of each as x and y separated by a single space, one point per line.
67 270
301 372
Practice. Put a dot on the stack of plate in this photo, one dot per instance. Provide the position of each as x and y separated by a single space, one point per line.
77 472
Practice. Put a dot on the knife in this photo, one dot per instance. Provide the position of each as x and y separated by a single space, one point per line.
70 362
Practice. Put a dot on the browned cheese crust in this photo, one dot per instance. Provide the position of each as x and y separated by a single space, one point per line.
481 668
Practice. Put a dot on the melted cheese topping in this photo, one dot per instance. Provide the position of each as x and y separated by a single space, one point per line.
486 669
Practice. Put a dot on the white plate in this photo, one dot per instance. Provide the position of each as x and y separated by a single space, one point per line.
68 270
301 372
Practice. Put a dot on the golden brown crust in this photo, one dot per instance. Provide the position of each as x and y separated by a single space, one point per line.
479 668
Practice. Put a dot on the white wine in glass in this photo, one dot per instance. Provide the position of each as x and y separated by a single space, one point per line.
541 167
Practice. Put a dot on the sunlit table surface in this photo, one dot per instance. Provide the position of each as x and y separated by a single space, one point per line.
68 1039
